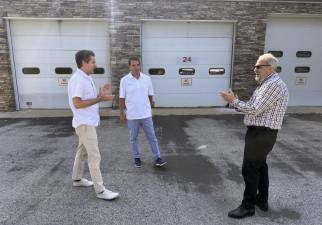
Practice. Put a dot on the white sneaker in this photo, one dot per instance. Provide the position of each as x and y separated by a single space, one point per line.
83 183
107 195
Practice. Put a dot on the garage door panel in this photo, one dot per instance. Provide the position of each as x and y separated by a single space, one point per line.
177 58
164 29
168 29
58 43
93 43
197 86
309 44
184 44
304 98
30 57
309 83
35 42
201 71
53 95
210 30
50 85
52 28
43 101
33 28
45 70
88 28
49 71
302 33
299 27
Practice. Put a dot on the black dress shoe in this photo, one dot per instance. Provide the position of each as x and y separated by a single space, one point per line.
262 206
241 212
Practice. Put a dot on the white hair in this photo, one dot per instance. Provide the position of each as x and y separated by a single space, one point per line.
270 59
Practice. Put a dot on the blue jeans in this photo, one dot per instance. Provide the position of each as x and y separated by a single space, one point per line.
147 125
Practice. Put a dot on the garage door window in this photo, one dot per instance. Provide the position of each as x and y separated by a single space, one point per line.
303 54
187 71
302 69
63 70
216 71
277 54
156 71
30 70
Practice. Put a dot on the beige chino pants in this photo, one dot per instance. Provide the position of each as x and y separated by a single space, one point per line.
88 150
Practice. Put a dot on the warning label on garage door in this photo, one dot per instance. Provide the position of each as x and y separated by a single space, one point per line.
300 81
186 81
63 81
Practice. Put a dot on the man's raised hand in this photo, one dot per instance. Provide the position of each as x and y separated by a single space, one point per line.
103 93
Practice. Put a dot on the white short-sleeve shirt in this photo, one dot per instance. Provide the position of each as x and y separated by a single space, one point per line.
82 85
136 93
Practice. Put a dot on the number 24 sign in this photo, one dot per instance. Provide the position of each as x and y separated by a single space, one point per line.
186 59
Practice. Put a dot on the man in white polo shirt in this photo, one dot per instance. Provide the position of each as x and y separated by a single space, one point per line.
136 98
83 101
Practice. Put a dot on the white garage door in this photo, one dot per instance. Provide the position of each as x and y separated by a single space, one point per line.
44 58
298 44
189 62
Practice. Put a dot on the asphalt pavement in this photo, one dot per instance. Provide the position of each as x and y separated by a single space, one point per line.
200 184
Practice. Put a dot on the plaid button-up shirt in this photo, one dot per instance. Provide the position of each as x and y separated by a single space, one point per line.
267 106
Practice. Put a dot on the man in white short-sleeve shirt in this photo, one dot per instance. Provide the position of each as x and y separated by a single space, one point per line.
136 98
83 101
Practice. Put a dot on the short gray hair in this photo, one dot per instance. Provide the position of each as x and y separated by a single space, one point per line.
270 59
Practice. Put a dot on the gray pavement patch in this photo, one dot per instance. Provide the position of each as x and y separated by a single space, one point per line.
190 171
233 171
6 122
56 167
308 117
304 158
284 167
281 215
185 166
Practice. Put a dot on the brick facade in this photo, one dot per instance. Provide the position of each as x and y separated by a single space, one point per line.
125 23
7 99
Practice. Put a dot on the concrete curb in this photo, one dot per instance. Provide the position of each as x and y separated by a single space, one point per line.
46 113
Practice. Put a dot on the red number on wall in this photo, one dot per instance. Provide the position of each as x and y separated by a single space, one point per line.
186 59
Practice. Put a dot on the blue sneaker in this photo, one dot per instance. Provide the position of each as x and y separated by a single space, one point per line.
137 162
160 162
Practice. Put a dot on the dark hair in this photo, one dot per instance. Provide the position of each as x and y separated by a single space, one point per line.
134 58
83 55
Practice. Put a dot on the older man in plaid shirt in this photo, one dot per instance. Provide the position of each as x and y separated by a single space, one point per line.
264 114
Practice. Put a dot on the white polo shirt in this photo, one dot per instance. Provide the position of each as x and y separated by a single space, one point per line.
136 93
81 85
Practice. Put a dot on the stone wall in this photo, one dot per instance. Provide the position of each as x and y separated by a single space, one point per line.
7 99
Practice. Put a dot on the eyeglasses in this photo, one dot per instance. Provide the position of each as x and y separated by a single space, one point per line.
259 66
